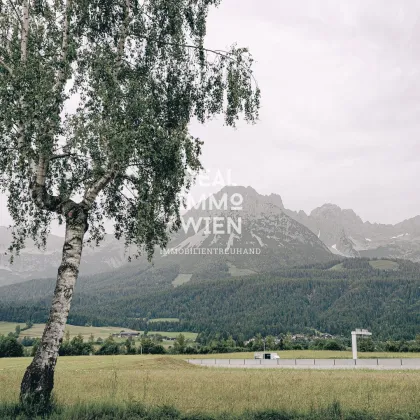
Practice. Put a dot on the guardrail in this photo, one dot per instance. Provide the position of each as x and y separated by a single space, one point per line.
407 363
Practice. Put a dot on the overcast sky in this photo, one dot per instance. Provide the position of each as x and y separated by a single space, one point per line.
340 114
341 104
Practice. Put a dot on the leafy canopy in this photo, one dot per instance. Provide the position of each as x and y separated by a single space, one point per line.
139 73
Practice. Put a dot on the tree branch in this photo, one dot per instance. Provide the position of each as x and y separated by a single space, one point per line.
23 58
64 47
124 32
25 32
5 66
93 191
7 40
57 157
40 195
220 53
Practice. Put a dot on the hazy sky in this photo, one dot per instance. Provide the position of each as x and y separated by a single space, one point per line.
340 114
341 104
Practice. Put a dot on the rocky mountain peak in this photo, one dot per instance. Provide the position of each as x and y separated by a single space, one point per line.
332 211
276 200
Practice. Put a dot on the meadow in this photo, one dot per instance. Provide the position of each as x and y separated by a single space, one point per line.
98 332
169 381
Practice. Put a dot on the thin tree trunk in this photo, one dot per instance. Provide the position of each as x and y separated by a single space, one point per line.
38 381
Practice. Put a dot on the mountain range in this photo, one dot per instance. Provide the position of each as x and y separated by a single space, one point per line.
235 232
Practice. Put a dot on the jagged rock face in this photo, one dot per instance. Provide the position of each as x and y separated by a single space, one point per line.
346 234
345 246
264 237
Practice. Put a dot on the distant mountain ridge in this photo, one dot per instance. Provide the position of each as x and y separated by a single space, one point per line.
35 263
270 237
344 232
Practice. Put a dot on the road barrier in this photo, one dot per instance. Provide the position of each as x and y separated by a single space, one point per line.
311 363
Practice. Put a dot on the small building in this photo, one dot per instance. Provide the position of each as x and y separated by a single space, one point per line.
124 334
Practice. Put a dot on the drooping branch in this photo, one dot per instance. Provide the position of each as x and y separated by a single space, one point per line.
16 12
219 53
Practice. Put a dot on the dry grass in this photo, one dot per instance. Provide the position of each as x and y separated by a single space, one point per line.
157 380
384 265
8 327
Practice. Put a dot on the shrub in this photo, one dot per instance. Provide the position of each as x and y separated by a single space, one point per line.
110 347
76 347
332 345
28 341
10 347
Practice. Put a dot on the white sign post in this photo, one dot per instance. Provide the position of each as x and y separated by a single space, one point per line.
354 334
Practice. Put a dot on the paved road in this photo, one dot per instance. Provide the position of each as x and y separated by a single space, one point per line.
375 364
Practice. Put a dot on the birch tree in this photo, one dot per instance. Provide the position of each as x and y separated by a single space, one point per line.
137 73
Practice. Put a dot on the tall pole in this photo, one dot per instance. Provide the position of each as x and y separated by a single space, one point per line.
354 344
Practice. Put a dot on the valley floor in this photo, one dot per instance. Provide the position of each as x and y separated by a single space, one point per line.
169 380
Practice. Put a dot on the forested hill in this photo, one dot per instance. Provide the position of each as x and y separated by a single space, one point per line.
383 296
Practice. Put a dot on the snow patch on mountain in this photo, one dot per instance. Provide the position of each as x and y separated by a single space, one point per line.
194 240
257 238
335 250
230 240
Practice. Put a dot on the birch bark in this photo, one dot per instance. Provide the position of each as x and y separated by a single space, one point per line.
38 381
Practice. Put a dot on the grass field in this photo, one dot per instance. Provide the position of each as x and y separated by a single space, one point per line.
181 279
98 332
7 327
377 265
384 265
163 320
37 330
158 381
238 272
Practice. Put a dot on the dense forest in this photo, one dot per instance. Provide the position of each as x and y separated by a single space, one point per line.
334 298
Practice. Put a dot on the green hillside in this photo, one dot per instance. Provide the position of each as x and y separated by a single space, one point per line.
385 300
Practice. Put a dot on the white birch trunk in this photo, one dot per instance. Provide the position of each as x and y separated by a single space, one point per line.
38 382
